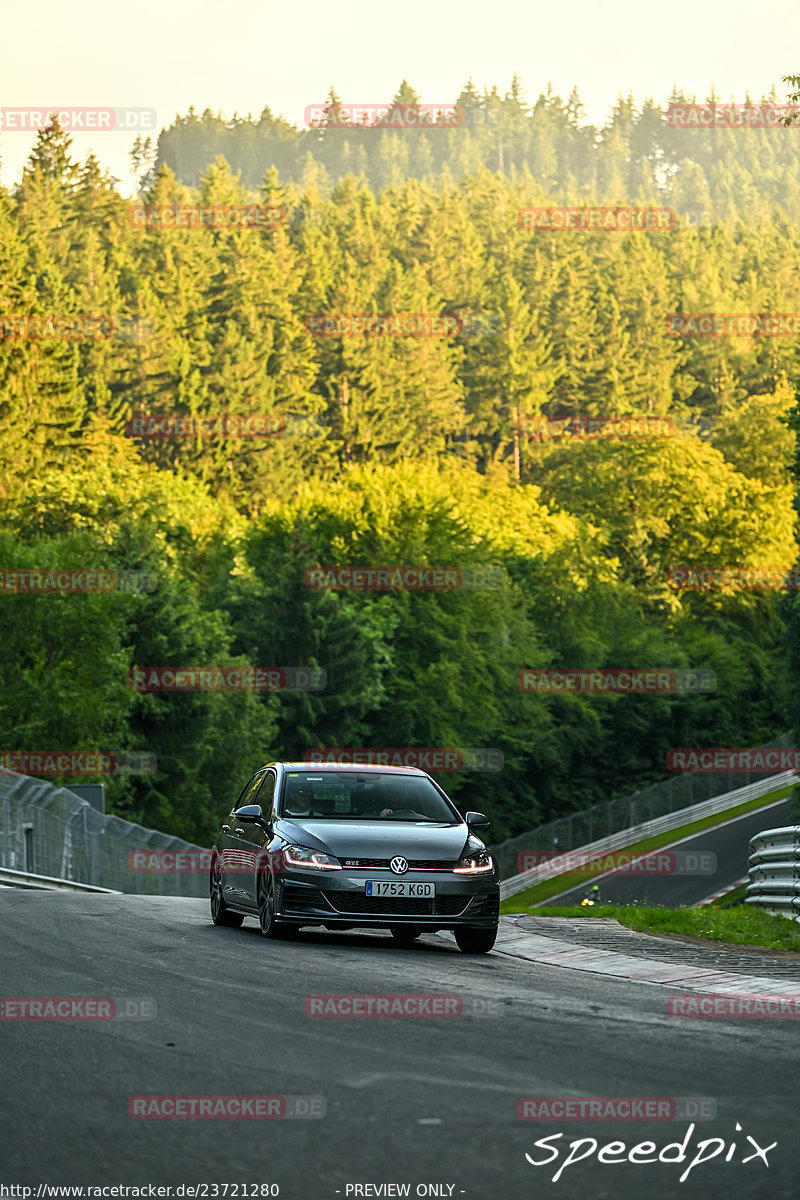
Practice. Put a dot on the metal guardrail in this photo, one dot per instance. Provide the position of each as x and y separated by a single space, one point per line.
628 837
774 871
47 883
51 832
585 826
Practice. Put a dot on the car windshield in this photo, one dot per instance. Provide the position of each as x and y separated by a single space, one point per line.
377 796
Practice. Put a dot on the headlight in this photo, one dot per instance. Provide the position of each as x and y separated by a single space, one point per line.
475 864
301 856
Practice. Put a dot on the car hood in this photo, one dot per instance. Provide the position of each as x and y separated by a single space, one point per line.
361 839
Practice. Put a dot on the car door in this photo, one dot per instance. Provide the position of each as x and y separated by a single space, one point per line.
237 854
257 838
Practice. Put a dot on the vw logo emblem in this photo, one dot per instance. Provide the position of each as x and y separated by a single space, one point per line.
399 865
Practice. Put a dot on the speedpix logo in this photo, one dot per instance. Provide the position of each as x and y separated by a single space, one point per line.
617 1152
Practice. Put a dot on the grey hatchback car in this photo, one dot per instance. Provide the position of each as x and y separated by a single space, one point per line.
354 846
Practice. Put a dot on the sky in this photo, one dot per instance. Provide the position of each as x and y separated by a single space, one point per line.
226 56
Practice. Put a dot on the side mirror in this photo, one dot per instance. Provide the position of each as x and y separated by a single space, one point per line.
477 821
249 814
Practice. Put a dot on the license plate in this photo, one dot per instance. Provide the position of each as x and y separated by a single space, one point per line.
400 887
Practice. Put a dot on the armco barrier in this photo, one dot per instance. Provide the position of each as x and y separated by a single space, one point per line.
51 832
775 871
46 883
587 825
628 837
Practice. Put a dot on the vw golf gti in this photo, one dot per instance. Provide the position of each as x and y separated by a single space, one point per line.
354 846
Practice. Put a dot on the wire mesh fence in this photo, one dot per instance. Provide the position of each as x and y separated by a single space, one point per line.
591 824
45 830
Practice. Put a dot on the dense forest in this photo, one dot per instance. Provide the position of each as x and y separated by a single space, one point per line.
496 441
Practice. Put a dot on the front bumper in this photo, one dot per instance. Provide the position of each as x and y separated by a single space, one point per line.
339 898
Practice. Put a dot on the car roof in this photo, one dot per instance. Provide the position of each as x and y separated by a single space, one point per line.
356 768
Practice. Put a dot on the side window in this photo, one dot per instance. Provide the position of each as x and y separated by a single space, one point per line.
266 796
248 794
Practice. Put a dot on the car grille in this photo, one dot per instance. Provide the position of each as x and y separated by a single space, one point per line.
400 906
414 864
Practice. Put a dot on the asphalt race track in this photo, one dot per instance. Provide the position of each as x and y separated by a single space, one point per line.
728 842
416 1101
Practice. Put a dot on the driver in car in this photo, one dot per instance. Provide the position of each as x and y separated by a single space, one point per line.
394 805
300 803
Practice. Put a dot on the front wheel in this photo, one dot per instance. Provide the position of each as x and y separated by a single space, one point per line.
266 913
220 913
475 941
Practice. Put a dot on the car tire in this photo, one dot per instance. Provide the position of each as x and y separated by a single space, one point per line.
270 928
475 941
220 913
409 934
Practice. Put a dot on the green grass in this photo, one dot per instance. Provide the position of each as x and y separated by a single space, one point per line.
540 892
732 896
744 926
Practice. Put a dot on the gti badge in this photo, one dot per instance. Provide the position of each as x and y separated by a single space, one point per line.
399 865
